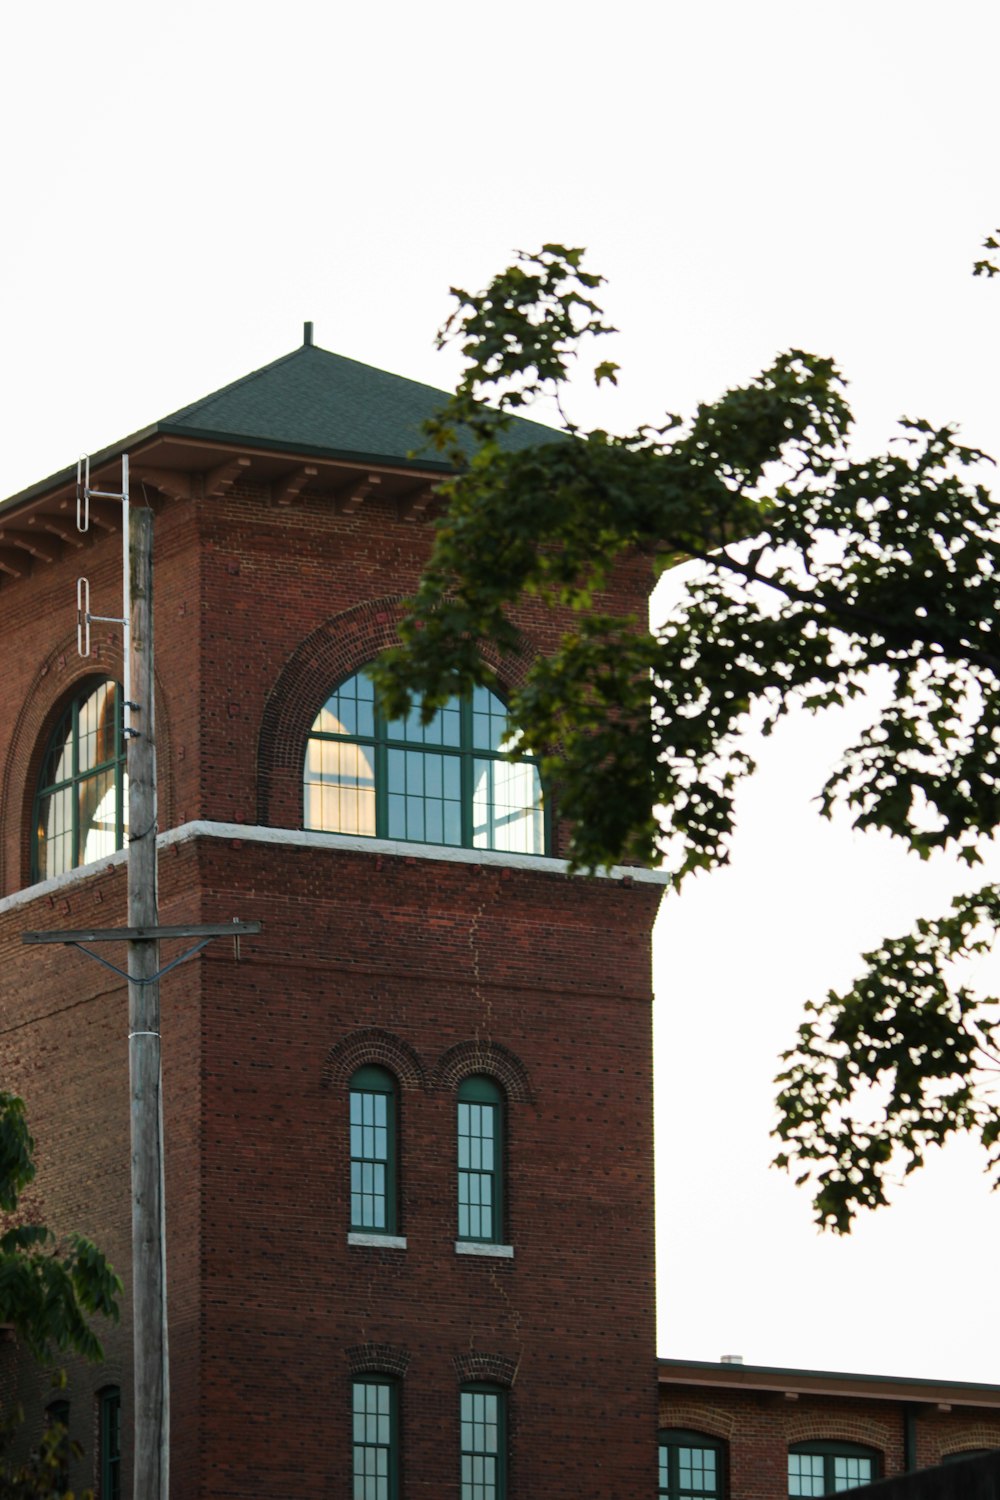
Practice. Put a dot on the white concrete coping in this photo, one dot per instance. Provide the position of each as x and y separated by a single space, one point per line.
304 838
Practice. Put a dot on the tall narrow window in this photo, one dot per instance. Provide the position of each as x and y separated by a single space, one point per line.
375 1442
446 782
110 1441
480 1160
690 1466
81 806
484 1444
57 1419
822 1468
373 1151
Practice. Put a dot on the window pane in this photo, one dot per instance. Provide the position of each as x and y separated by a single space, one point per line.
849 1471
339 787
477 1126
373 1455
481 1454
82 805
371 1144
507 807
805 1474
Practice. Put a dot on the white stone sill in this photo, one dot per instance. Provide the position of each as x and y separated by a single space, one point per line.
481 1247
378 1241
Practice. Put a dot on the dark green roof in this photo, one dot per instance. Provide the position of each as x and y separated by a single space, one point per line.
315 401
311 402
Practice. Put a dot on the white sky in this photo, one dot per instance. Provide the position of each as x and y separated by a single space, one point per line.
182 187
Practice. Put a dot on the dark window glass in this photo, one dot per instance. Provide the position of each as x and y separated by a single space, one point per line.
484 1444
445 782
480 1160
373 1151
375 1442
81 807
57 1416
110 1443
690 1466
829 1468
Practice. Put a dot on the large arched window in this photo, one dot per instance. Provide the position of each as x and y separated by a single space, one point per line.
81 806
446 782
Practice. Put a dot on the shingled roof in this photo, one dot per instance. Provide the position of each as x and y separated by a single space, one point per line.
315 401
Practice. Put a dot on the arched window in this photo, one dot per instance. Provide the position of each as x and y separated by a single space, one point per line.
445 782
690 1466
373 1151
821 1468
480 1160
81 806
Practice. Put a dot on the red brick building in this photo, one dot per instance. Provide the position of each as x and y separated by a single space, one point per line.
409 1133
760 1433
409 1130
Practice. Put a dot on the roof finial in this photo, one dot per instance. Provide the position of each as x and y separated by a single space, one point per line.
307 334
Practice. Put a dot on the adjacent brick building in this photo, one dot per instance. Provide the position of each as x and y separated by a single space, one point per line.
409 1128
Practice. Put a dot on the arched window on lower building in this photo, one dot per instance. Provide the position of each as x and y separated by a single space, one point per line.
822 1468
446 782
81 804
690 1466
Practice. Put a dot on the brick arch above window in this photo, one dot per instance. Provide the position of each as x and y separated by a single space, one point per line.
59 678
489 1058
872 1432
378 1359
370 1046
694 1416
477 1368
332 653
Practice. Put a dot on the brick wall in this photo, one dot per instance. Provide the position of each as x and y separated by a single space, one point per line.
437 967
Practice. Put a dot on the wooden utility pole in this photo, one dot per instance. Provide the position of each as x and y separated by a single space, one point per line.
151 1470
149 1242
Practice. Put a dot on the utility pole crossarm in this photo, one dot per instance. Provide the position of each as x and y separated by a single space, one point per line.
143 934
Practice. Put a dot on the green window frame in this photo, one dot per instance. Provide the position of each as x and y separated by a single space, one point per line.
483 1442
375 1439
373 1127
447 782
480 1139
81 802
110 1443
690 1466
830 1468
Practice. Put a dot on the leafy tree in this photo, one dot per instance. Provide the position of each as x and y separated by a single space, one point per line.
49 1291
813 577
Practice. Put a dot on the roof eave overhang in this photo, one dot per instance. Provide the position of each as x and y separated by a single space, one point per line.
139 441
792 1383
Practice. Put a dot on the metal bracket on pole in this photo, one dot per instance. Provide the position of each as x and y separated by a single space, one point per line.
84 619
205 932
